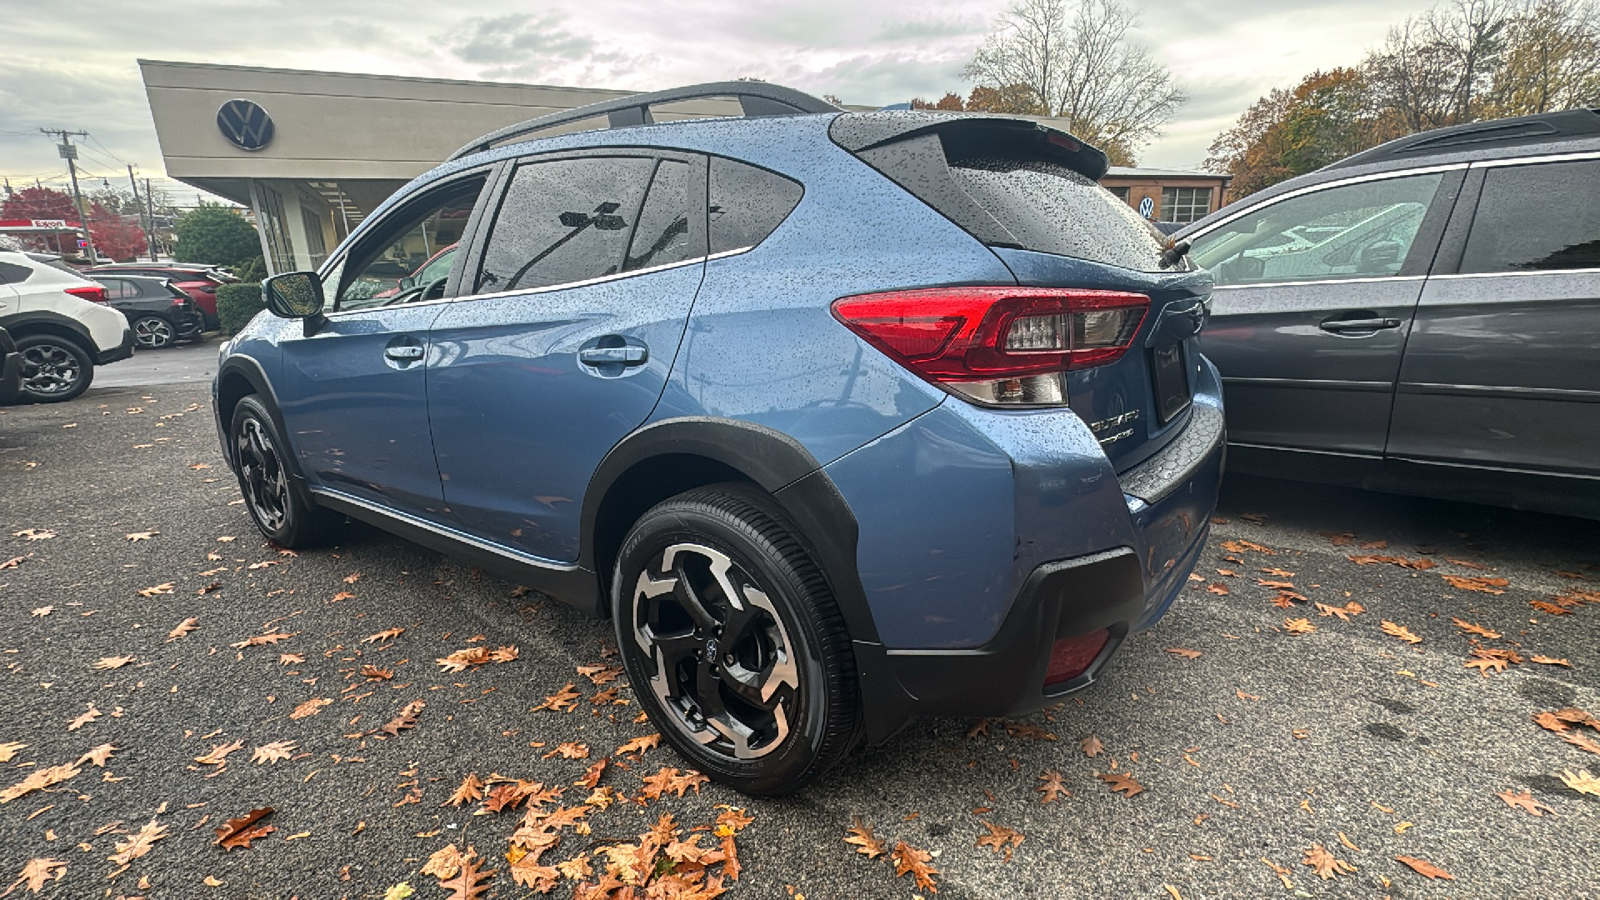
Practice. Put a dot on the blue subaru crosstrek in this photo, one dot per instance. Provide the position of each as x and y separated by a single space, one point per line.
843 418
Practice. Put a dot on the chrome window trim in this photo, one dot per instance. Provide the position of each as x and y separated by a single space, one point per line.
1326 185
522 292
1365 279
452 533
1456 276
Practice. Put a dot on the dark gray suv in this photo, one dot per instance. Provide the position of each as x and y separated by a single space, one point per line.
1422 317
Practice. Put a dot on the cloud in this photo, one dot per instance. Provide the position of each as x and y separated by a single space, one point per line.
518 40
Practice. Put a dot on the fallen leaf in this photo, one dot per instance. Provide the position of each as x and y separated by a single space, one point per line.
9 750
600 674
1582 782
471 789
38 780
1184 652
1000 838
98 756
1525 801
42 611
1325 864
89 716
591 775
1423 867
219 753
134 536
469 883
184 627
310 707
1395 560
1480 584
113 662
387 634
909 860
273 752
1549 661
138 845
1298 626
1241 545
1121 781
370 671
1343 613
1400 631
258 640
639 744
406 719
158 590
401 891
290 659
1217 588
444 863
1479 630
1550 609
1052 787
564 700
38 871
238 833
1282 873
1092 747
569 750
34 534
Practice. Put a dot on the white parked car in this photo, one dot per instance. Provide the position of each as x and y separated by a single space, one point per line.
61 323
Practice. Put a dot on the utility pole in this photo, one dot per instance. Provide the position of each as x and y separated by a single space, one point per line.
146 214
70 154
149 198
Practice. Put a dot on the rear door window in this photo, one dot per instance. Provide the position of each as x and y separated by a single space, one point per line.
11 273
662 235
1052 209
1536 218
564 221
747 204
1361 230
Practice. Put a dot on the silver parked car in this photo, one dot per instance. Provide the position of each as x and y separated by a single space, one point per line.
1422 317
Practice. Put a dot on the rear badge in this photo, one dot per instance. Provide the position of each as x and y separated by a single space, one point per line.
1104 425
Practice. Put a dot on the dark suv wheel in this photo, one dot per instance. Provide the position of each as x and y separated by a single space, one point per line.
54 369
281 512
733 642
153 332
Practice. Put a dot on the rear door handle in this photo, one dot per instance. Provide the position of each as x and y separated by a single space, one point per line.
1339 326
627 356
403 353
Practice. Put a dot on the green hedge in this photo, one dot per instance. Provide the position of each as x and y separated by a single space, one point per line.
237 304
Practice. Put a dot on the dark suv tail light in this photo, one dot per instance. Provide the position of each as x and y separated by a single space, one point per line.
997 345
93 292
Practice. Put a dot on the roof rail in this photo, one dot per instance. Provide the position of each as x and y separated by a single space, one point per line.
756 98
1541 128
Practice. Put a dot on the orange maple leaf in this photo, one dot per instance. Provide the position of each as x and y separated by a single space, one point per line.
471 789
469 883
129 850
1525 801
1325 864
38 871
1000 838
1052 787
639 744
1091 746
860 836
1121 781
564 700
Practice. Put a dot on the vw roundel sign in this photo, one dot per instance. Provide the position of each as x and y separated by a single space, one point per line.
245 124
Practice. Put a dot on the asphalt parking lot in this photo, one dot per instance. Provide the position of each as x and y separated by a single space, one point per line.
1312 689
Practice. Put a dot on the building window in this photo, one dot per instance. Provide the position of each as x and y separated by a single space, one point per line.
1185 205
316 245
1121 193
275 228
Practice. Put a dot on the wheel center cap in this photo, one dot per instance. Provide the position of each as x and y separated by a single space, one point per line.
711 648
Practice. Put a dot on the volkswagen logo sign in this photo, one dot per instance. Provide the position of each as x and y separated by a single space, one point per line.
245 124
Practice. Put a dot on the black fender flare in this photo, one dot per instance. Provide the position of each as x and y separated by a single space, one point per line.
775 462
250 370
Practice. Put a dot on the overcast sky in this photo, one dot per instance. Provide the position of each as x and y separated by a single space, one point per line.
73 66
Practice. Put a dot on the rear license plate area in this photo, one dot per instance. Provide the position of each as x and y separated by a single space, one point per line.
1171 379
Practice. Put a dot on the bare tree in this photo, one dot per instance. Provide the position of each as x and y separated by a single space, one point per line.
1433 69
1078 61
1552 59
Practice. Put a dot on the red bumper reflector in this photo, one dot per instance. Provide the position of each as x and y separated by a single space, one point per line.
1072 655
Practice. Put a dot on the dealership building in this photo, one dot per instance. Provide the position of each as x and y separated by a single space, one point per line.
312 153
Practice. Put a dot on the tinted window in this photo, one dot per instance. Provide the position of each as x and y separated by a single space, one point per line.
662 235
1533 218
383 268
1052 209
747 204
563 221
117 289
11 273
1360 230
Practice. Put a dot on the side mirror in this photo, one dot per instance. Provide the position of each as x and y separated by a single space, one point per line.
294 295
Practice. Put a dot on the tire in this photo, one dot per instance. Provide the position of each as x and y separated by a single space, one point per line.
777 703
152 331
280 509
54 369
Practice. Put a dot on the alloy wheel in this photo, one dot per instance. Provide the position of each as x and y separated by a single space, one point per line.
724 667
49 369
152 332
266 484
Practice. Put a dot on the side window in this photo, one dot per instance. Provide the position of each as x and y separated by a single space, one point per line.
662 235
747 204
1359 230
1536 218
117 289
11 273
563 221
383 268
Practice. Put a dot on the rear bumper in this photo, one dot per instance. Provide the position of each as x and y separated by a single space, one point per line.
1108 555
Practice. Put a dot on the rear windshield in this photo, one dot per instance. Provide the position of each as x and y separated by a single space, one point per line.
1052 209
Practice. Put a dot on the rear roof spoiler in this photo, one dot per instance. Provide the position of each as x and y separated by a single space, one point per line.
756 98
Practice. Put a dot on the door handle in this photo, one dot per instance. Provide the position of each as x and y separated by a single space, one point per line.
403 353
600 356
1338 326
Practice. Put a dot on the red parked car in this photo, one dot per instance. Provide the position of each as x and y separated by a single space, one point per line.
199 281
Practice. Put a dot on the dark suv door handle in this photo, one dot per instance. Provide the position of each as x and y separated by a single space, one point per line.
600 356
1338 326
403 353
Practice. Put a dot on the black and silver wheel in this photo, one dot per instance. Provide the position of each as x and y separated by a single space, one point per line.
152 332
733 642
54 369
283 515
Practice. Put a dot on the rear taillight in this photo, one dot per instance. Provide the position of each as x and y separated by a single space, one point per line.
89 292
997 345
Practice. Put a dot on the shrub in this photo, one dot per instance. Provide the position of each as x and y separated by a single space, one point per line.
216 235
237 304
